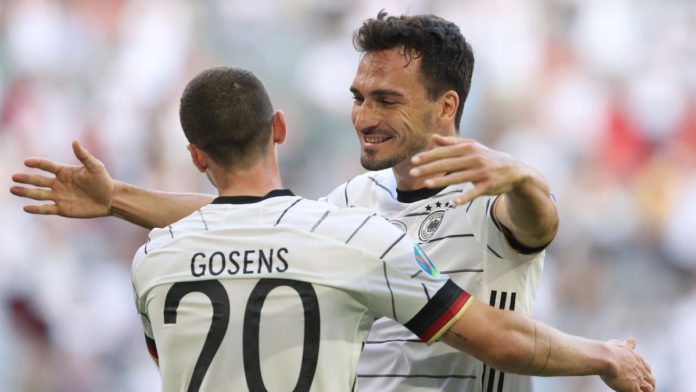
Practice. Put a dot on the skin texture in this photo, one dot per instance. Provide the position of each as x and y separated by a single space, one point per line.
390 103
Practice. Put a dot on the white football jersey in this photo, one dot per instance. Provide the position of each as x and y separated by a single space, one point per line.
279 293
467 244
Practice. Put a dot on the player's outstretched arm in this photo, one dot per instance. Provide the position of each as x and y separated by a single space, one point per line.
88 191
513 343
524 207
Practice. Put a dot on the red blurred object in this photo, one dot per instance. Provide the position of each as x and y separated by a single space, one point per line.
623 148
29 322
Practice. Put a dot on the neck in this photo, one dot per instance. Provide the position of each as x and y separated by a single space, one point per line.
404 181
257 180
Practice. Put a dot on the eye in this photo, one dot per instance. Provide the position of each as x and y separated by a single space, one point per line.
358 100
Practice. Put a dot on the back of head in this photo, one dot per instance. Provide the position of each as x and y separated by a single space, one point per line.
227 113
447 61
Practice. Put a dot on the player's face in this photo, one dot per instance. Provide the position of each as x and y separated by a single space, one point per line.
392 114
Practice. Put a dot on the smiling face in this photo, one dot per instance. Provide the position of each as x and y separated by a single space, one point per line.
392 114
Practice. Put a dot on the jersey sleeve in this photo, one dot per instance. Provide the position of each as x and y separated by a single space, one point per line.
338 197
404 284
497 240
141 307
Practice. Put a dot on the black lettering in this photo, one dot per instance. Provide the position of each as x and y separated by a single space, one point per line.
211 263
280 253
234 262
197 270
267 262
248 261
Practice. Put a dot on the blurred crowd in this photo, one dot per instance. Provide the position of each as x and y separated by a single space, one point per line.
598 95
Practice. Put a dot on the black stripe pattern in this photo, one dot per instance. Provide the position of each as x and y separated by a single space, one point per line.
439 195
319 221
392 246
454 271
345 192
494 252
491 383
430 376
391 293
359 227
151 346
449 236
286 210
205 224
393 340
383 187
430 313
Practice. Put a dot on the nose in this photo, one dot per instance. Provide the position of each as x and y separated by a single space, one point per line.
365 116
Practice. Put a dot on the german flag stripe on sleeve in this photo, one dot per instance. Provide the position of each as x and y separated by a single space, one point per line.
151 347
444 309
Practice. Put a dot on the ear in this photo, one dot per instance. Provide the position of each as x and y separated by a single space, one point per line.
449 103
279 127
198 157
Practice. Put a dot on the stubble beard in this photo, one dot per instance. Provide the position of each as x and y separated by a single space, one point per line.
370 161
373 163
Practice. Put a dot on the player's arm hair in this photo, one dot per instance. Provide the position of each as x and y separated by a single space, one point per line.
149 208
512 343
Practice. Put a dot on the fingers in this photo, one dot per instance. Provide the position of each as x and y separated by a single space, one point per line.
650 377
31 193
454 178
459 148
631 343
32 179
443 165
449 140
651 382
43 164
648 386
42 209
81 153
470 195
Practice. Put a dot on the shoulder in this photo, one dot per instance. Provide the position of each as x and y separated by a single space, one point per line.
160 237
382 178
361 184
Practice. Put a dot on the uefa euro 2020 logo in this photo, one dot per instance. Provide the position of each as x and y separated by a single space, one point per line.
424 262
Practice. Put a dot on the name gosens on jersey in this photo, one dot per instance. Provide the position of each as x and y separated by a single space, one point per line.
279 293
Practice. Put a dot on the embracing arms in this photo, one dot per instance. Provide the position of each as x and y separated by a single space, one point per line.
514 343
88 191
524 207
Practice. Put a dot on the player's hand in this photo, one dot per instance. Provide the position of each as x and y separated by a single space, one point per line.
83 191
456 160
632 373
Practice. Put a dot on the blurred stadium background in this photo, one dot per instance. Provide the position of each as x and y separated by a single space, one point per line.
599 95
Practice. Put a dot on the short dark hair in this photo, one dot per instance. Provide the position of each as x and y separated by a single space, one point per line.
447 61
227 113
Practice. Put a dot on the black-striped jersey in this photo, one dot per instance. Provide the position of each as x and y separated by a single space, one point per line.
280 292
468 245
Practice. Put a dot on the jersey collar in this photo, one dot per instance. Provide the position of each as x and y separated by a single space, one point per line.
418 194
251 199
